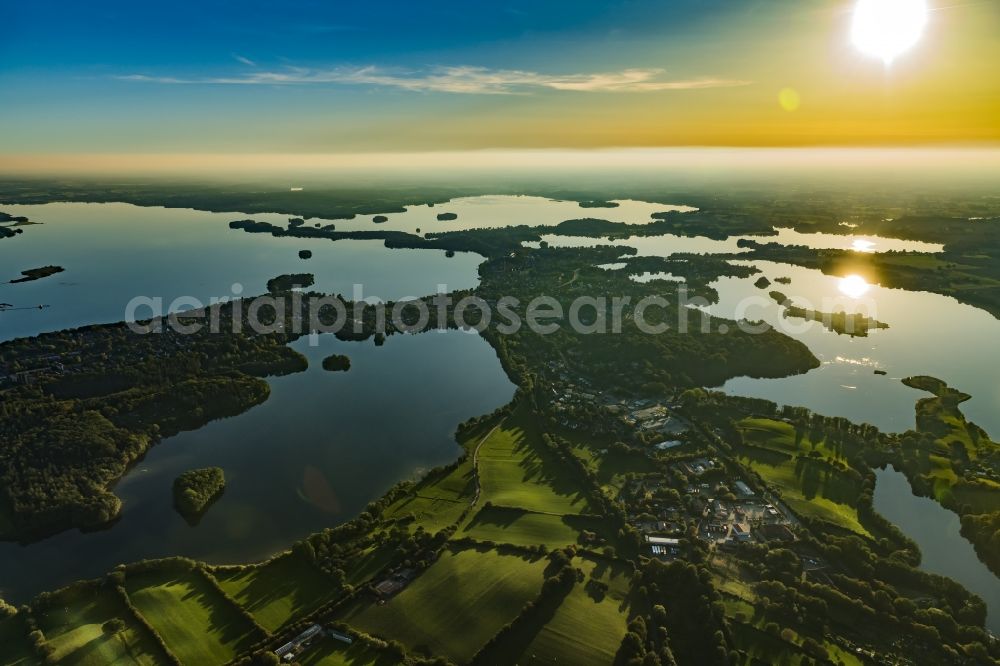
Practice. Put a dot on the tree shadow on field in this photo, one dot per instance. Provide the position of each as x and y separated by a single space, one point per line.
495 516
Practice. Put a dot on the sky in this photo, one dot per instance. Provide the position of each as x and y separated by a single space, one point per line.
313 76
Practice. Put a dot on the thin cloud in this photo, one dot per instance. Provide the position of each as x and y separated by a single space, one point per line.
462 80
245 60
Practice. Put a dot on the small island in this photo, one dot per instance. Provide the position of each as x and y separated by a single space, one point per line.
305 254
196 489
762 283
337 363
37 273
295 222
379 219
447 216
855 325
598 204
289 282
17 220
783 280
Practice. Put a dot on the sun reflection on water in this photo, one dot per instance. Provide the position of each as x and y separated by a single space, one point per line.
854 286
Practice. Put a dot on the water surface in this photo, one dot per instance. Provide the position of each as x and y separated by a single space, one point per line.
937 531
312 456
115 252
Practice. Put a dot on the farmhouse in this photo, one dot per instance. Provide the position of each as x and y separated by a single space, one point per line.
394 583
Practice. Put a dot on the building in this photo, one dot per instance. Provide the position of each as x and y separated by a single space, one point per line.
663 546
290 650
743 489
740 532
343 638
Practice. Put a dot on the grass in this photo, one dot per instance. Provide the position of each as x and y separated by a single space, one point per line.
430 513
610 467
334 653
810 485
588 627
516 471
439 500
197 623
456 605
806 497
781 436
369 562
15 650
764 647
523 528
982 497
279 590
73 627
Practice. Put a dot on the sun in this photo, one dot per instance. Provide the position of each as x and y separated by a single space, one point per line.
887 28
853 286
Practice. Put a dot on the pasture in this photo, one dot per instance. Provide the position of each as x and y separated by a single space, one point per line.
197 623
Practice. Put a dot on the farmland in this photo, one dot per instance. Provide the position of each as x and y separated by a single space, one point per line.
279 590
488 589
193 619
515 471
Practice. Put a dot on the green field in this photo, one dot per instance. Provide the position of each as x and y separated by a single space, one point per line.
439 500
780 436
369 562
519 527
430 513
608 465
516 471
73 627
456 605
15 650
334 653
589 625
197 623
279 590
811 486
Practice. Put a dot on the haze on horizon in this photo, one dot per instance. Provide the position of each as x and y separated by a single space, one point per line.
304 77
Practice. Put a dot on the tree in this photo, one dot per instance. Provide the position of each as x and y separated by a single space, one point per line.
113 626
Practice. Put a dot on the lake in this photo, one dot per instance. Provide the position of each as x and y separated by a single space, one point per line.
312 456
937 531
325 444
928 334
114 252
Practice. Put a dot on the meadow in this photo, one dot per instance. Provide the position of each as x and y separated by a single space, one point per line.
812 484
194 620
278 590
73 626
516 471
589 624
486 590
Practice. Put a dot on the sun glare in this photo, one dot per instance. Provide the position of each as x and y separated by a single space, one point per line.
887 28
862 245
854 286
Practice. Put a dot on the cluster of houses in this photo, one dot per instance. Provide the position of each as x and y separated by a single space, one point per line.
724 511
44 364
643 416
